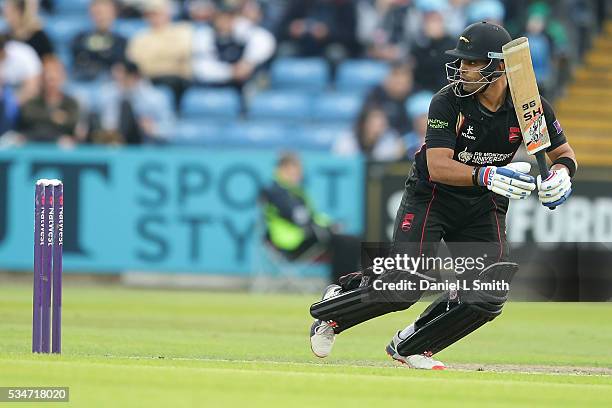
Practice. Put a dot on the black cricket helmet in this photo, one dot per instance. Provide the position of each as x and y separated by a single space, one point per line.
479 42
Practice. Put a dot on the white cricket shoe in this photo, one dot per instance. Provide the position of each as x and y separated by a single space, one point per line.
322 334
419 361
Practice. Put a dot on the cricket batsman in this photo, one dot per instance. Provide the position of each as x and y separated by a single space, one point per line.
458 190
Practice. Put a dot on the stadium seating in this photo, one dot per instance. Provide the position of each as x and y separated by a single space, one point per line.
256 134
87 93
360 74
280 105
167 93
72 7
319 137
63 29
308 74
200 133
585 109
259 134
65 55
337 106
219 103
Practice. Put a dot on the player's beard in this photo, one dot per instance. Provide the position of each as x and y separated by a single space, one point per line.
472 87
474 84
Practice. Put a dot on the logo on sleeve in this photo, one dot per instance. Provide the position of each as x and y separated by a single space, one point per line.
514 134
437 124
558 127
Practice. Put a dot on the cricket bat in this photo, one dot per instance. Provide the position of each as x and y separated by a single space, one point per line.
526 99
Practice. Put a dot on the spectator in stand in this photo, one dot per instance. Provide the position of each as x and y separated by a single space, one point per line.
131 8
267 13
52 116
200 11
133 111
390 96
381 28
372 137
583 19
252 10
229 52
541 48
20 68
25 26
515 15
163 52
415 16
428 50
455 17
321 28
418 110
562 52
95 51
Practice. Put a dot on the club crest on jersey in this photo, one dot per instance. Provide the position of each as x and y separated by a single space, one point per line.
514 134
465 156
407 222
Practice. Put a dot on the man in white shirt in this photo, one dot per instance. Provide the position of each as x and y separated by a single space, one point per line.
20 68
229 52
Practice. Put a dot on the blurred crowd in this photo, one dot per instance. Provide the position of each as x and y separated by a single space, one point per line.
137 59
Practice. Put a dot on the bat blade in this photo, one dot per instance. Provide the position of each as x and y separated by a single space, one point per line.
527 102
525 95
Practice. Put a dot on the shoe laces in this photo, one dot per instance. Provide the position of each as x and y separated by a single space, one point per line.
332 293
326 330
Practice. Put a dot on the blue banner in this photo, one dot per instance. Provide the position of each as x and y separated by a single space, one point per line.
161 209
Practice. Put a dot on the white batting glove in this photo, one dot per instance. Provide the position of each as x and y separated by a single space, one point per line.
510 181
553 191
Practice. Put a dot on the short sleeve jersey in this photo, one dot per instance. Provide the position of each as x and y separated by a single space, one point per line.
477 136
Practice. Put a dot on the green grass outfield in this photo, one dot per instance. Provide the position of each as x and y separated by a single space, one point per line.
132 348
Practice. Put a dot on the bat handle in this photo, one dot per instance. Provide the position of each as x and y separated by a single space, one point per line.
543 166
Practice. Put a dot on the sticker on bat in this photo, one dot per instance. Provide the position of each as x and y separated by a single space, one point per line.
536 133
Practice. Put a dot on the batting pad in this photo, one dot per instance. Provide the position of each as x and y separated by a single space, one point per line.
453 316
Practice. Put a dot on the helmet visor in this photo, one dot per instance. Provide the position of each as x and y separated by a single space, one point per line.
487 77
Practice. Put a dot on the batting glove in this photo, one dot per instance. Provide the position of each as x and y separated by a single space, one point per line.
510 181
553 191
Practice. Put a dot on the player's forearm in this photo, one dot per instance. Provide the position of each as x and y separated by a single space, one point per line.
448 171
565 150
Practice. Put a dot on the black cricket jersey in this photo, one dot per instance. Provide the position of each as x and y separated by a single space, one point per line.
477 136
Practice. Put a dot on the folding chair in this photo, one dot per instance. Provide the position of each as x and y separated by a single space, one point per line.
274 272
